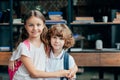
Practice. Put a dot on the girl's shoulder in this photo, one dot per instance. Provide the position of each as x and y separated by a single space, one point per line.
22 45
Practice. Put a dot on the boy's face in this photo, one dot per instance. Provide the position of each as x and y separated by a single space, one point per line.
57 43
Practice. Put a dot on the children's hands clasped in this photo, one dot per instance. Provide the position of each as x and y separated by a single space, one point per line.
67 73
73 72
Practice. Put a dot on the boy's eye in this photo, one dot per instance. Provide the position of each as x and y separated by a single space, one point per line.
54 37
61 38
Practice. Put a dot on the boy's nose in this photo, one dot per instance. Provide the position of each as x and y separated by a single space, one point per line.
57 40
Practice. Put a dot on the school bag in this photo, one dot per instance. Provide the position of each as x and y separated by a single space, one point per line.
18 63
65 64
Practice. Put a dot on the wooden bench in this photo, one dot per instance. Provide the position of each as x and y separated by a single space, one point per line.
97 59
4 58
82 59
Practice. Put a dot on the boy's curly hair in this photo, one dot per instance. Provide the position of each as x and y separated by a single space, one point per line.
62 30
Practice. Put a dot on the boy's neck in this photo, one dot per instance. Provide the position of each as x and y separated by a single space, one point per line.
56 52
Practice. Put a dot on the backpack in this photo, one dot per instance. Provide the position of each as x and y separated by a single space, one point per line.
18 63
66 64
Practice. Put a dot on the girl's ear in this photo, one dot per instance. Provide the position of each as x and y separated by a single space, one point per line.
25 26
44 25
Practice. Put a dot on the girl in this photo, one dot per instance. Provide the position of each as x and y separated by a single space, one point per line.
33 59
60 39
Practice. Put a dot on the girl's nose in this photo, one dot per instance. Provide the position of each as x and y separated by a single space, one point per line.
35 26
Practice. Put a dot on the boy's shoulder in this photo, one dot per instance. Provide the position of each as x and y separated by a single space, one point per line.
66 53
66 60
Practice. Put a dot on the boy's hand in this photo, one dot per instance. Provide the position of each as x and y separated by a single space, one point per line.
64 73
71 74
11 65
73 71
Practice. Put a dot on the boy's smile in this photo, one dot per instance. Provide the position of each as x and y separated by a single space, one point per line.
57 43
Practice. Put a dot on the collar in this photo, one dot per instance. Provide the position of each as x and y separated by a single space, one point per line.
57 57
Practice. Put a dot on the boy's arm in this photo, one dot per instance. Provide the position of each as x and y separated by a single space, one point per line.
11 65
72 67
73 71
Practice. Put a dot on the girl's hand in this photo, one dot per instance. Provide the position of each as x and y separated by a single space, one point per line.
11 65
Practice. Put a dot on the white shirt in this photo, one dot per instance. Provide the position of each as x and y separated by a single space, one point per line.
37 55
56 63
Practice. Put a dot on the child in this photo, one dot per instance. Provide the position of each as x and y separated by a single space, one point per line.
60 39
33 59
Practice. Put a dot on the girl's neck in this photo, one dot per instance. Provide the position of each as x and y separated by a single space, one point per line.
35 41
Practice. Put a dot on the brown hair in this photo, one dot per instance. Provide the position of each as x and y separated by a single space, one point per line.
24 35
62 30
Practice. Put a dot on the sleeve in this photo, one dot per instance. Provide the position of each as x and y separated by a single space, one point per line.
71 61
21 50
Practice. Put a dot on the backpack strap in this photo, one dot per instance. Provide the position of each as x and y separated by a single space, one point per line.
65 63
26 42
18 63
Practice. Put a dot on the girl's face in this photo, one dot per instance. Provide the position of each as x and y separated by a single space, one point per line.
57 43
34 26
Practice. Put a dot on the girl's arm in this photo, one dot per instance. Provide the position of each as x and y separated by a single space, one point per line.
41 74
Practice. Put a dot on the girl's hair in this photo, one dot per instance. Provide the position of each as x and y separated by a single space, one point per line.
24 34
62 30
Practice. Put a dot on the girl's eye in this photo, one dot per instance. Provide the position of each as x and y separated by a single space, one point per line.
30 25
38 25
